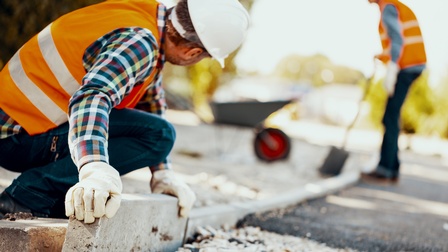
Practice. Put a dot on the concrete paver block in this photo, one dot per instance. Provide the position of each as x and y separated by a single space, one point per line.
142 223
40 234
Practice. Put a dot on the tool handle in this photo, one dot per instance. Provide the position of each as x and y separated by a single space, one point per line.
365 93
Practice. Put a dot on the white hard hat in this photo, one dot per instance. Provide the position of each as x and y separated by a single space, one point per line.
221 25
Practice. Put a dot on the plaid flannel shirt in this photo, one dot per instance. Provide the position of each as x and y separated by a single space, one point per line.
114 64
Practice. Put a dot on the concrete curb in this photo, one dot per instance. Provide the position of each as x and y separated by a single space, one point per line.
144 222
218 215
127 233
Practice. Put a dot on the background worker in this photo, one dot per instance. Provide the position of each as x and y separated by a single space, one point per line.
405 58
68 121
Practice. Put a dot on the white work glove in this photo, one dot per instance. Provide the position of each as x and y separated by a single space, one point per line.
390 80
97 193
166 182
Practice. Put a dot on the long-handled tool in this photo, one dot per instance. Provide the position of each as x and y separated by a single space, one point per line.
337 156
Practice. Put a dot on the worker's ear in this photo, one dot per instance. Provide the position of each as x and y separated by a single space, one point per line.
191 53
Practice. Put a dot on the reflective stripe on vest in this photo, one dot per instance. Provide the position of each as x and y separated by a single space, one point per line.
409 24
413 40
42 102
55 62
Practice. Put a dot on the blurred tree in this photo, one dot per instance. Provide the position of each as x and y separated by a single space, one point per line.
422 113
377 100
317 70
438 124
20 20
418 107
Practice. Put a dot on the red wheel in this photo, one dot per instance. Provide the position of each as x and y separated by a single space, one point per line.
272 144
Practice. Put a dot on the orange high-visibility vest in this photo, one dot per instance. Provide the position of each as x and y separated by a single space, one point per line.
413 52
38 81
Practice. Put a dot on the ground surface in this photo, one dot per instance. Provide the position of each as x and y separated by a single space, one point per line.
219 164
411 216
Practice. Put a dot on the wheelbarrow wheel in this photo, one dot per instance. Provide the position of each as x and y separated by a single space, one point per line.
272 144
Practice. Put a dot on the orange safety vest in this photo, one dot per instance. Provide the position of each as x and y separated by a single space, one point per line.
413 51
39 80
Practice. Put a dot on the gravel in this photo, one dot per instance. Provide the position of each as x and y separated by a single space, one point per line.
250 239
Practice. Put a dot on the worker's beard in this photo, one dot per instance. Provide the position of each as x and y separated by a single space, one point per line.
180 62
175 60
174 50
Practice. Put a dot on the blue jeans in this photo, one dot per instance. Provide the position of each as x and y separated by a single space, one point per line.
136 139
389 164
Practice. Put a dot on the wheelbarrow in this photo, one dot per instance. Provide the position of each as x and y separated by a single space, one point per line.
270 144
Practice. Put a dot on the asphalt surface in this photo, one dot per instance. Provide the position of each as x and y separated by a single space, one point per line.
409 216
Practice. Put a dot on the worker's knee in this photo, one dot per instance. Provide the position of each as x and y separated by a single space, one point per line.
161 140
169 136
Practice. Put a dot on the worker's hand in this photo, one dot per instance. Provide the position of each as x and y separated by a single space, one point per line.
97 193
390 80
166 182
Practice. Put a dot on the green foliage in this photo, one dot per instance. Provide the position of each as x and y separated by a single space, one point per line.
376 97
424 111
20 20
205 77
316 69
437 124
418 107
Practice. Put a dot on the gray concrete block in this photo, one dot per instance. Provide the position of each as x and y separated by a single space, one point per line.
144 222
32 235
